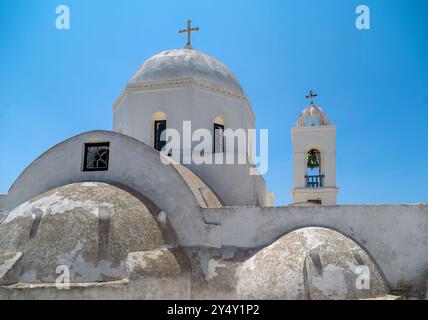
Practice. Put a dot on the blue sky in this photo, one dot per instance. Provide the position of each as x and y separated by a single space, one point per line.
373 84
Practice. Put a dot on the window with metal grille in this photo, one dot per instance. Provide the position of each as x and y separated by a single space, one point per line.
96 156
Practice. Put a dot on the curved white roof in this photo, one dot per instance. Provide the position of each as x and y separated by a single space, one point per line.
310 263
96 229
313 115
186 63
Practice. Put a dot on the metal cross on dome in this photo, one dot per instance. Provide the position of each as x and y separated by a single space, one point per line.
311 96
189 30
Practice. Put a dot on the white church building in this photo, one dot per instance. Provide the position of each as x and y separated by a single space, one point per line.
106 215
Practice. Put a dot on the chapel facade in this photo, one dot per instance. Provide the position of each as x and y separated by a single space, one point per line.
110 215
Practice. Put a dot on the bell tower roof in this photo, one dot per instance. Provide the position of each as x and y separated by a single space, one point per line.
313 114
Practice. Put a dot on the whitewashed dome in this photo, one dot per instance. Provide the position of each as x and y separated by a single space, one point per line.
101 232
186 63
311 264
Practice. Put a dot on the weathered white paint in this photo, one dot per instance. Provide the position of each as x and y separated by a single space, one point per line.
7 260
53 204
309 263
2 200
131 163
3 215
395 235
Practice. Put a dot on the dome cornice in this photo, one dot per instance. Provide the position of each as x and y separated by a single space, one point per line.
182 83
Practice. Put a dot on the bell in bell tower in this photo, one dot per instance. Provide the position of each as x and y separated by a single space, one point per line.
314 157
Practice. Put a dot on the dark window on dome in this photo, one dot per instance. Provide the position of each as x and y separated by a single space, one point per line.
218 138
96 156
160 127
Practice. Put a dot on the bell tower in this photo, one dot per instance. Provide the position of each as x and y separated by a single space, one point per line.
314 157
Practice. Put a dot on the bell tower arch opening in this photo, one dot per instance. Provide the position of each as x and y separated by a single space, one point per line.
314 178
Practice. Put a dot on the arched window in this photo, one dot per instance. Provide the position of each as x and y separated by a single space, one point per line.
218 141
159 127
314 179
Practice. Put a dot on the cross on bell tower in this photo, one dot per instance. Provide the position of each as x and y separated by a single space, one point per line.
189 30
311 97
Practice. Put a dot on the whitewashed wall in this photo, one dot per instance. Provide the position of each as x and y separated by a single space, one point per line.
131 163
323 139
395 236
133 116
